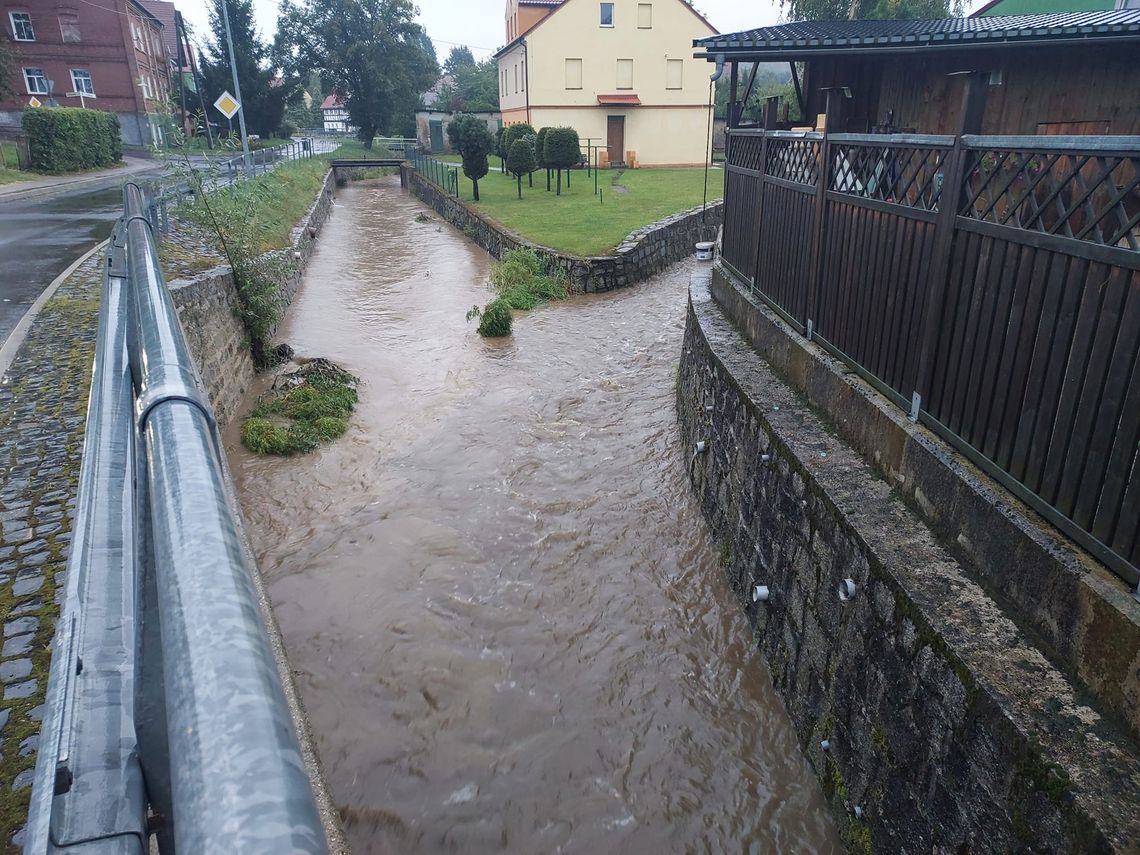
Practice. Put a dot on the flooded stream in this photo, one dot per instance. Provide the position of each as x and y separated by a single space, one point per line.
507 619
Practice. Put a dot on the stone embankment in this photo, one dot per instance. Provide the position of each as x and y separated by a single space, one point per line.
207 305
647 251
934 723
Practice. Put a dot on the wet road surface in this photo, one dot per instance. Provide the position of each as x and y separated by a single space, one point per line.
40 237
507 620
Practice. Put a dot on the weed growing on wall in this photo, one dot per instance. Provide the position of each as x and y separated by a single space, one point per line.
311 408
248 220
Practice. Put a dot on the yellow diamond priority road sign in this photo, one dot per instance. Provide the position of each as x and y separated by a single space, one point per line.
34 102
228 105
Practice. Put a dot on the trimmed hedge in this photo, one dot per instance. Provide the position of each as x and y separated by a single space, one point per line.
69 139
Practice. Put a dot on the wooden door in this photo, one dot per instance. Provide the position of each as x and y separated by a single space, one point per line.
615 138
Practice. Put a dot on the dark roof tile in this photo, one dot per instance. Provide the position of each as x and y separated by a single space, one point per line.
812 36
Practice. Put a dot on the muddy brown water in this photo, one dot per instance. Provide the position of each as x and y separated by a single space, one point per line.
506 617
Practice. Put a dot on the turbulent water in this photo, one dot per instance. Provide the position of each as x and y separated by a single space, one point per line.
508 623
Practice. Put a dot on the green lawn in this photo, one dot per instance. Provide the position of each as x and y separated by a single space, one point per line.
10 165
581 223
11 176
267 206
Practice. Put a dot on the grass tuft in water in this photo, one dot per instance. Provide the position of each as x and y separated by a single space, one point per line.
522 279
313 409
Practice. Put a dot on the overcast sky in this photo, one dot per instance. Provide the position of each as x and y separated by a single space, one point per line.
480 23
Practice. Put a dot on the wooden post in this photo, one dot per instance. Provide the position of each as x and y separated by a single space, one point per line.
815 280
759 203
771 106
949 200
733 116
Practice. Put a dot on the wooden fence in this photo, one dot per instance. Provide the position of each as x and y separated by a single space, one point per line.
988 285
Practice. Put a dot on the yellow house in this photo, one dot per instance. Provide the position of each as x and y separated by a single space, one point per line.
621 73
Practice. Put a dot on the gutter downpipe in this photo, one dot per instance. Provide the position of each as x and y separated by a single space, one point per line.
713 78
526 78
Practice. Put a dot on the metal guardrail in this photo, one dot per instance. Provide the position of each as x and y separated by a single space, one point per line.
264 159
165 712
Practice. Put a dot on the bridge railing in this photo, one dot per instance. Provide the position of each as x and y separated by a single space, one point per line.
439 172
164 699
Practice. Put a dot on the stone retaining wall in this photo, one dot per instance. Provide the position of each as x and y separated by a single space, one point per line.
643 253
207 307
1085 618
948 730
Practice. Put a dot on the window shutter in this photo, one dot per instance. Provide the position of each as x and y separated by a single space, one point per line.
625 74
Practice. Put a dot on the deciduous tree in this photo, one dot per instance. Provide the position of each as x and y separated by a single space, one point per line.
371 51
459 57
838 10
473 88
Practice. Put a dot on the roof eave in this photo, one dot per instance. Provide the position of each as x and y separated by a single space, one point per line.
789 50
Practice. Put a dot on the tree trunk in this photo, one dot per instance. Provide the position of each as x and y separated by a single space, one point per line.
567 179
520 185
548 179
475 188
530 179
559 182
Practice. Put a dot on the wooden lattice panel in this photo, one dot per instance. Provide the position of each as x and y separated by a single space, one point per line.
904 175
1088 196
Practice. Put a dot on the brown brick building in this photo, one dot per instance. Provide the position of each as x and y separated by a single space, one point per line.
107 56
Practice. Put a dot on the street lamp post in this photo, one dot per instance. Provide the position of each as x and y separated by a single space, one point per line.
237 93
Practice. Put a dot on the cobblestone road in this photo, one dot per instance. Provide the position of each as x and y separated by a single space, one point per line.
43 402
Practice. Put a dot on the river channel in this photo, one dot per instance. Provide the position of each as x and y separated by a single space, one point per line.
508 623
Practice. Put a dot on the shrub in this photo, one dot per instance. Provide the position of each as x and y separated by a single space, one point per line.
495 320
67 139
520 160
540 153
562 150
470 137
521 279
514 133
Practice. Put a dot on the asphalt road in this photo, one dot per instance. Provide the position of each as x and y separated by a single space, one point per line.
40 237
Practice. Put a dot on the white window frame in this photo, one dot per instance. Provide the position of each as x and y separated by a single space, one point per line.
15 31
28 81
63 33
89 91
601 15
640 25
